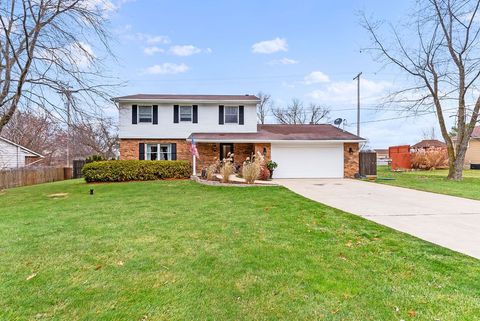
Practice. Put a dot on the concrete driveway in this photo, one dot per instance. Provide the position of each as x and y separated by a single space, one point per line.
449 221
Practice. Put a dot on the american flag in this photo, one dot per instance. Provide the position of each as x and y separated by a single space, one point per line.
193 149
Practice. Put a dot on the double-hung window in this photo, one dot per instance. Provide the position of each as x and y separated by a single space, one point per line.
159 152
186 113
231 114
145 114
152 152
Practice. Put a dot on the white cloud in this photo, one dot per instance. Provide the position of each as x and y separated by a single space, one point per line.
79 55
283 61
270 46
82 54
167 68
184 50
149 51
153 39
316 77
346 91
187 50
101 5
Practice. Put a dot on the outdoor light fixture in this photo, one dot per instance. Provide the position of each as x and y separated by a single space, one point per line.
264 151
214 147
350 150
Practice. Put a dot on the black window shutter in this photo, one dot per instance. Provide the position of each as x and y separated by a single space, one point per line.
155 114
134 114
175 114
195 114
241 117
173 148
220 115
141 151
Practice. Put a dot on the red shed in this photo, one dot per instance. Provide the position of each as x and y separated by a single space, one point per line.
400 157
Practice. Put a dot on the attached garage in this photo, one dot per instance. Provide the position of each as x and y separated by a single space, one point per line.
301 151
308 160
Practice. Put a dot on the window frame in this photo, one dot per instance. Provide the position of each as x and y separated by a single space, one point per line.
237 108
180 113
148 155
151 114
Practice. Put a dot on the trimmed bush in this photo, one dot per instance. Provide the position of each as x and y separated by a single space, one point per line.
135 170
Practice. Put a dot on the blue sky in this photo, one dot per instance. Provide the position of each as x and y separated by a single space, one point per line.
306 49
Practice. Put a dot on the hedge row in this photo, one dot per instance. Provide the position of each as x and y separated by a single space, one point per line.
135 170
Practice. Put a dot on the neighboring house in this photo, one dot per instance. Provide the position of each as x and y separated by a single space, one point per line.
13 155
162 127
473 150
429 144
382 156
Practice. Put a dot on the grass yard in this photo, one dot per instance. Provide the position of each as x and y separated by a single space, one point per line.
434 181
176 250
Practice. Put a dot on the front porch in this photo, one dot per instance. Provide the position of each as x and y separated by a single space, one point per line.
211 152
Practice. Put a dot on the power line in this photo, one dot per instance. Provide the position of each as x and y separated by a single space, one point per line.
402 117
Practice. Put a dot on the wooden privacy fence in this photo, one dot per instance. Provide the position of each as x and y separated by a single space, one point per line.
77 168
30 176
400 156
368 163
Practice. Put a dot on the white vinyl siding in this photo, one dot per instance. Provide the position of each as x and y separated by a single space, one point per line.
167 129
12 156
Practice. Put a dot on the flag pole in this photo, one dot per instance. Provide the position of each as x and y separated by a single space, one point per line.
194 171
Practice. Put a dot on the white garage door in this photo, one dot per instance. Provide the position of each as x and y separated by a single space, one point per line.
308 160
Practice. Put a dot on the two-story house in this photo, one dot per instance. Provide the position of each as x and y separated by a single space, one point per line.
161 127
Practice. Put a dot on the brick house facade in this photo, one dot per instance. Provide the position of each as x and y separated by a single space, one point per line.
154 127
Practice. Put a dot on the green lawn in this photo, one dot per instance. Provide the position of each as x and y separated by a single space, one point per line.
176 250
434 181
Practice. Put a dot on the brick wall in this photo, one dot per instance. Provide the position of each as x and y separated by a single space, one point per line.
351 159
129 147
210 152
260 147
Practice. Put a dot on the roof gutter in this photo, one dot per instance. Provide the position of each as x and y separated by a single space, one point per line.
190 101
277 141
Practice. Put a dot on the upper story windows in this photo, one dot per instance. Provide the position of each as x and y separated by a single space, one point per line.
186 113
152 114
145 114
231 115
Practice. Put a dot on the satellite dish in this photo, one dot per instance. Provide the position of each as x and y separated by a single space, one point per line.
338 121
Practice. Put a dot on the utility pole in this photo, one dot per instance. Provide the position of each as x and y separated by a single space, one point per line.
358 102
68 95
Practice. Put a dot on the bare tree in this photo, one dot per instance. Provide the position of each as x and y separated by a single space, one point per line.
264 107
46 48
36 131
295 113
99 138
318 113
429 133
441 55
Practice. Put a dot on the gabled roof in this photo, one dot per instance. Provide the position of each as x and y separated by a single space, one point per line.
429 143
22 147
188 98
277 132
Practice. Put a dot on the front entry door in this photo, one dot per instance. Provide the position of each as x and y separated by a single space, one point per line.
225 149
